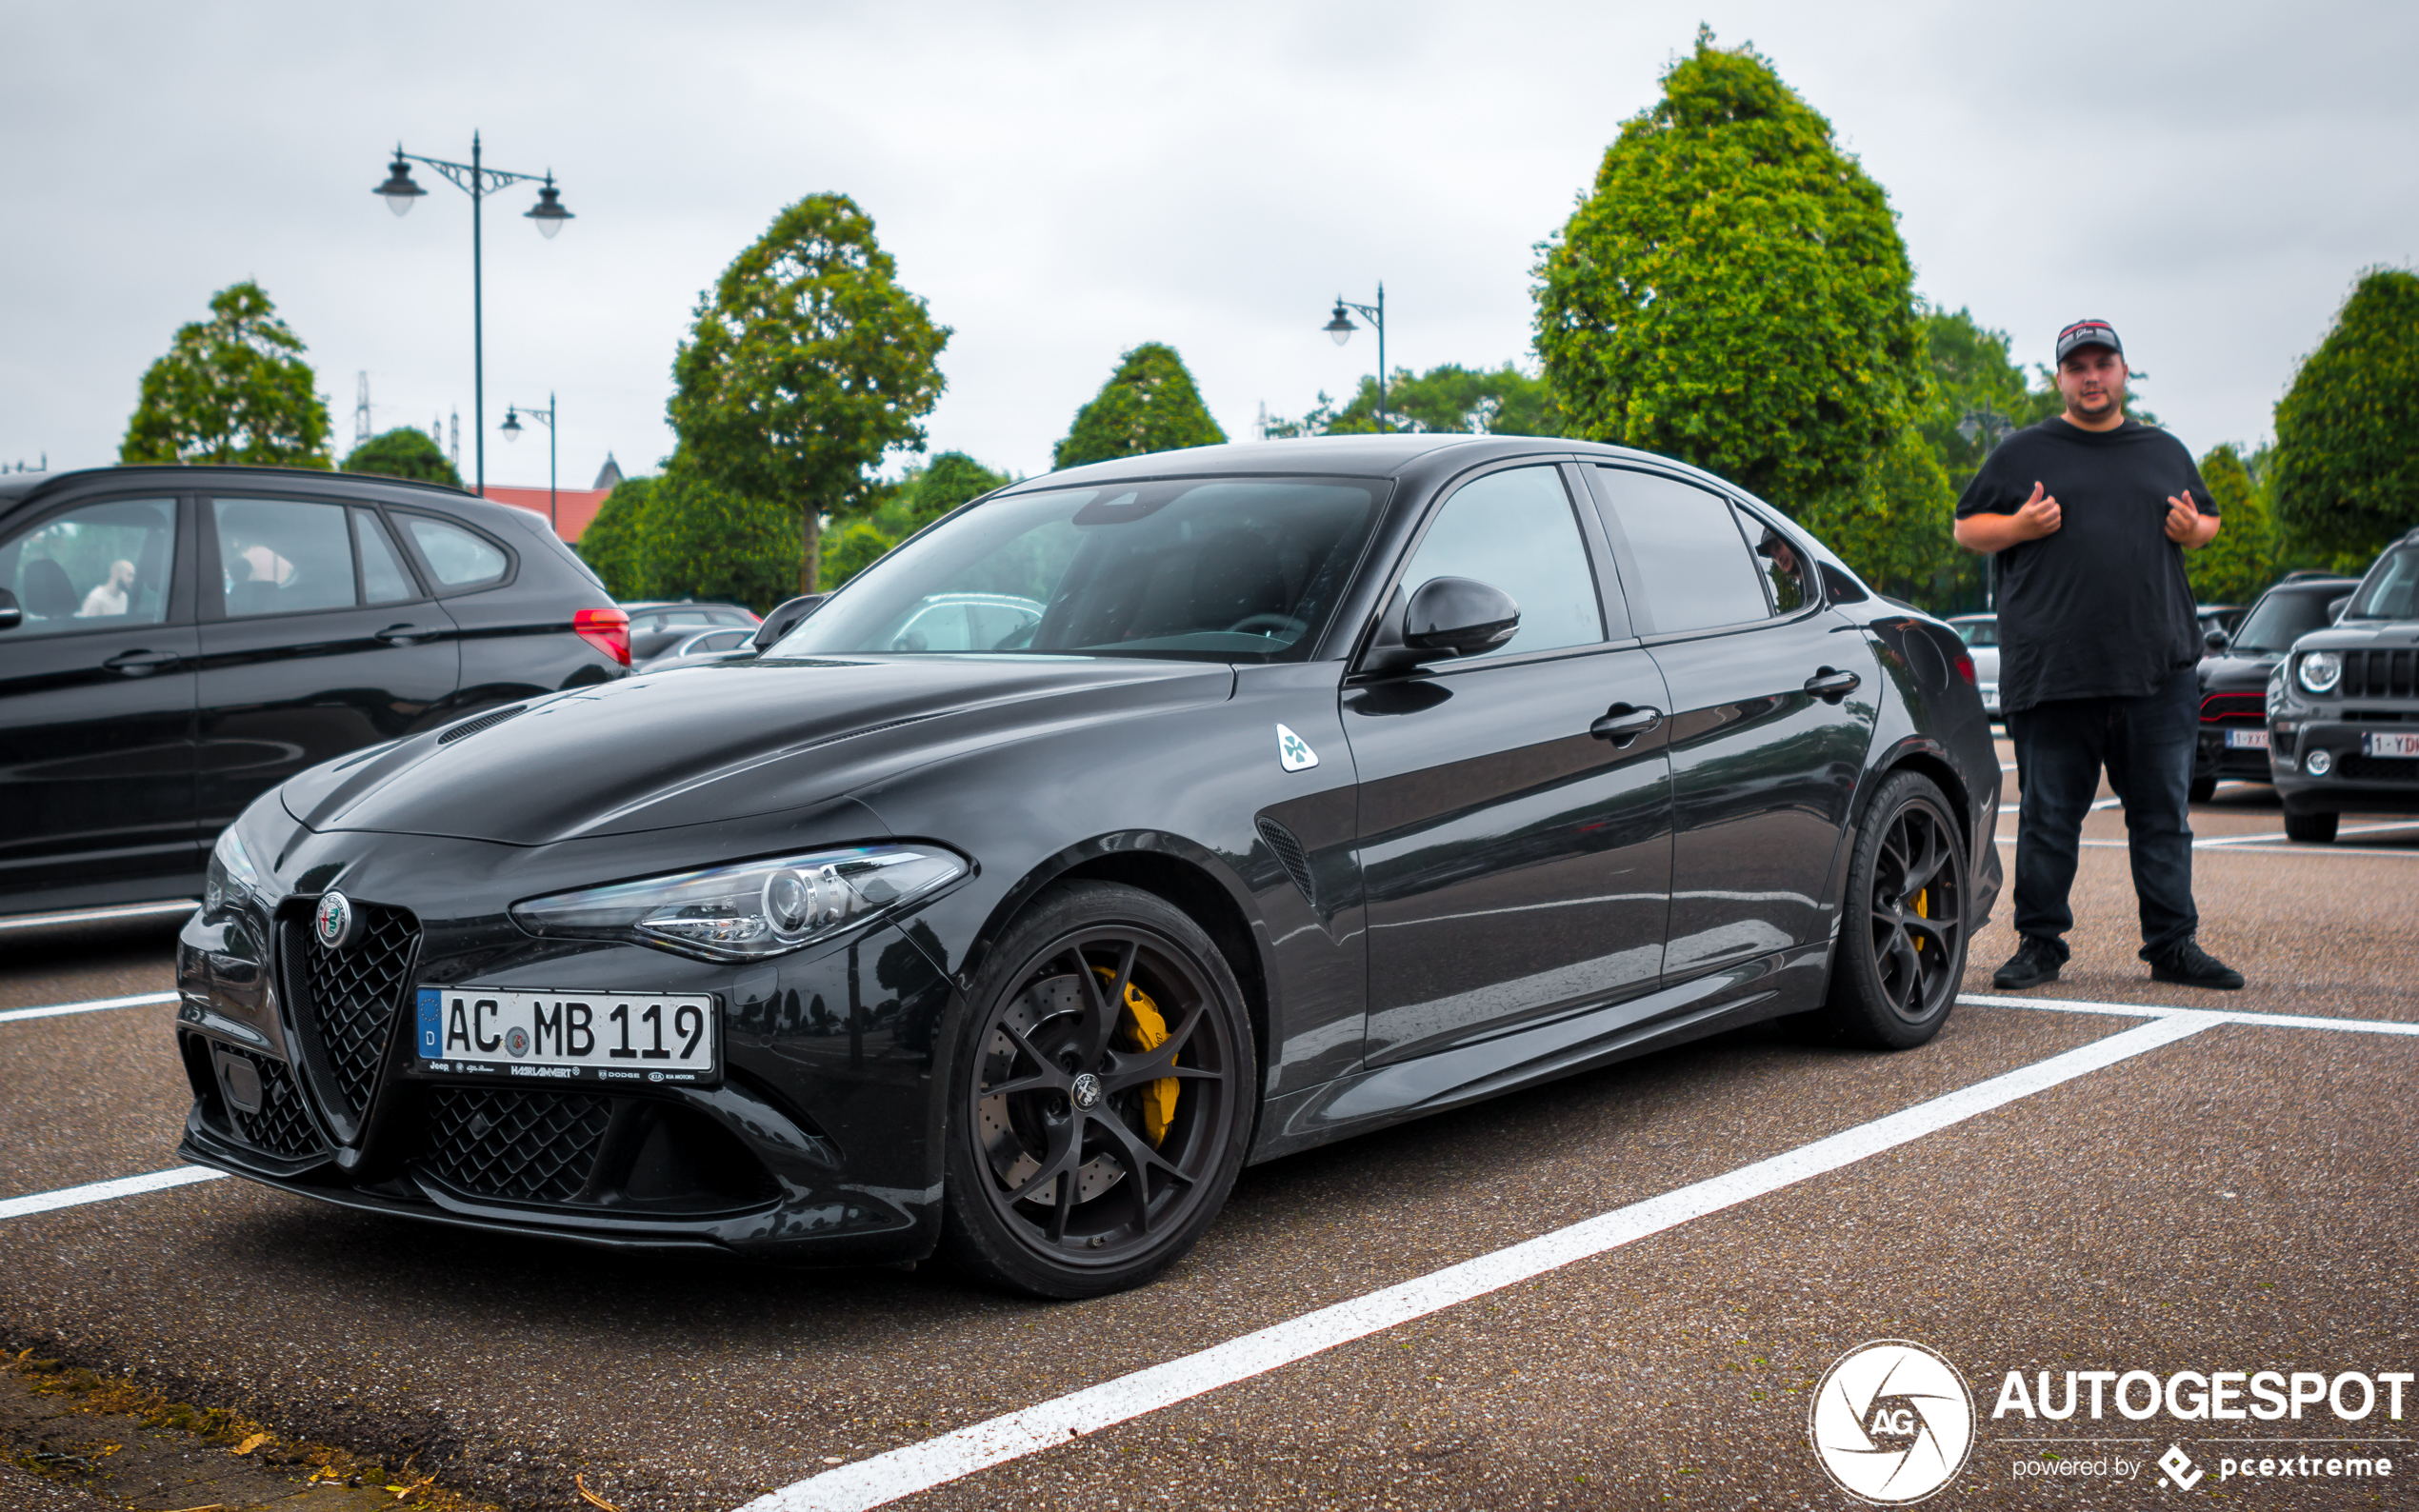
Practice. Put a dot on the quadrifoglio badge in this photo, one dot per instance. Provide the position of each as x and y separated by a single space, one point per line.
1893 1423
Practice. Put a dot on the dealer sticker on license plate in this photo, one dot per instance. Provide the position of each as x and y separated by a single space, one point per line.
2247 739
2378 743
568 1035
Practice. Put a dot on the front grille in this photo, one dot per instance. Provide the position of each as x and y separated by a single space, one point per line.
2217 706
522 1146
2378 768
280 1127
350 998
2376 674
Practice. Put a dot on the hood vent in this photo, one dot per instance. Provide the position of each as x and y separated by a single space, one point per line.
471 727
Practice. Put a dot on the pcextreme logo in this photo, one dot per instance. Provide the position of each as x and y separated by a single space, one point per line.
1892 1423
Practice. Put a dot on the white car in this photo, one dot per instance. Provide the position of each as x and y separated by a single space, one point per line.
1981 634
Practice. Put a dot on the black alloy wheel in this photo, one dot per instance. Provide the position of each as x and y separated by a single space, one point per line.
1102 1097
2316 829
1902 927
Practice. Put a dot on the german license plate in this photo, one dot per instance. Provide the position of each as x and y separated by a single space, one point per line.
568 1035
2247 740
2375 744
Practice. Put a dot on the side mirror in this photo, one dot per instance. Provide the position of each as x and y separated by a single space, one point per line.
784 619
1447 617
2335 609
2216 642
10 615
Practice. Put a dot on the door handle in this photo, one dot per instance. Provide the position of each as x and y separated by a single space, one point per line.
403 634
1831 685
1624 723
140 663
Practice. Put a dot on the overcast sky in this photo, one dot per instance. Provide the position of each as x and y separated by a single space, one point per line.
1063 181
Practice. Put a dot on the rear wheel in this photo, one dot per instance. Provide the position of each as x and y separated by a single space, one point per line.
1102 1097
1903 928
2316 829
2204 788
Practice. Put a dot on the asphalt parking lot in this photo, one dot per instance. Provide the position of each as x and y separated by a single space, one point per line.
2085 1180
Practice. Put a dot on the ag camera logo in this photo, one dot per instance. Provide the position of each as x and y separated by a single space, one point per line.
1892 1423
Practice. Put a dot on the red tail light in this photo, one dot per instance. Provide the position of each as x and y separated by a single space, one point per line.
606 630
1966 665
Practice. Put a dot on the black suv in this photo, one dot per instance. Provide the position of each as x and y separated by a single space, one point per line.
176 641
2233 743
2343 708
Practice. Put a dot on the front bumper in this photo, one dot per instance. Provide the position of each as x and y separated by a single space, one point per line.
2213 758
815 1144
2355 782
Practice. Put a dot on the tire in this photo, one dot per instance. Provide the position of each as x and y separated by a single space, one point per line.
2319 829
1041 1183
2204 788
1904 924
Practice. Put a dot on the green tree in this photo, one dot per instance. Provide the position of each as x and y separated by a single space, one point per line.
807 364
2242 561
1149 404
232 388
858 546
699 540
609 544
1894 527
901 508
404 452
1495 401
1734 292
2348 429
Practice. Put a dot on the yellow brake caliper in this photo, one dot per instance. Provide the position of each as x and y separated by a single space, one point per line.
1145 1028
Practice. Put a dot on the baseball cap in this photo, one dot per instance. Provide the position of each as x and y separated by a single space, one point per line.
2089 334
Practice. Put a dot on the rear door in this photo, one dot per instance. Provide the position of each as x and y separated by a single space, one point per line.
318 638
1515 865
97 700
1773 708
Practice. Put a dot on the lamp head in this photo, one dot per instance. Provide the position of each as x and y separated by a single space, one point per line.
548 212
398 190
512 424
1341 328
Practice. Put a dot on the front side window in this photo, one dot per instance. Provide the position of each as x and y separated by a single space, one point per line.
97 567
1233 569
458 559
282 556
1694 568
1514 531
2390 591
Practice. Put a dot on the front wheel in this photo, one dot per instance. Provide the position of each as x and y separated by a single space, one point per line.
1902 927
1101 1098
2319 829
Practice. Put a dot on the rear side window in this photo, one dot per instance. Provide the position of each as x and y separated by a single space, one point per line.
457 557
282 556
97 567
1694 568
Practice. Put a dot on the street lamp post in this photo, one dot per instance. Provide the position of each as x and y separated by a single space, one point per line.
1341 328
478 182
513 432
1990 428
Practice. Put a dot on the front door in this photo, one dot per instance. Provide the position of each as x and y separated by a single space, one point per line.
96 705
317 639
1772 707
1515 865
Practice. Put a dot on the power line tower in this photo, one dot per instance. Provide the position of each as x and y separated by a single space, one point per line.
361 410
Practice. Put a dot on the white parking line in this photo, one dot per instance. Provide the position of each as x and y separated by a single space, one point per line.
130 910
2251 846
56 1009
2345 829
106 1192
920 1466
2160 1010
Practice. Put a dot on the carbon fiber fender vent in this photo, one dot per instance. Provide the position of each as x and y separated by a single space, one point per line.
471 727
1287 849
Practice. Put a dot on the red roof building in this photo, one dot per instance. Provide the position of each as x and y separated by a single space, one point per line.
573 508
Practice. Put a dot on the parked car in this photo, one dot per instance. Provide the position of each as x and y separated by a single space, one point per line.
2233 676
1981 634
176 641
700 644
656 628
1337 783
2221 618
2343 707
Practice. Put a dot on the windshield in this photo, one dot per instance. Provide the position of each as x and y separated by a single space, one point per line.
1203 568
1976 632
2391 589
2280 619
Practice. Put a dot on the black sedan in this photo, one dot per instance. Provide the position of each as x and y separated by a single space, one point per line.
1287 791
176 642
2233 677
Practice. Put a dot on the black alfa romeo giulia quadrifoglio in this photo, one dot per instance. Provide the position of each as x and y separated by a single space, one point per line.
1124 827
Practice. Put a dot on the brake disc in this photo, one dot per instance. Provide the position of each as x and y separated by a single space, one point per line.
1016 1133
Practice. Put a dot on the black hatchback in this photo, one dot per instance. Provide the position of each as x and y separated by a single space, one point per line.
176 641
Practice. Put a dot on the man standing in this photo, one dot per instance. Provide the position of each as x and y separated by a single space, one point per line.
2089 515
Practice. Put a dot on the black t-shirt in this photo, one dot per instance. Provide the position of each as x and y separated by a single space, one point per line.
2100 607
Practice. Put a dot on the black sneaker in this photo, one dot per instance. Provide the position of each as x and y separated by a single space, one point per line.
2035 963
2189 965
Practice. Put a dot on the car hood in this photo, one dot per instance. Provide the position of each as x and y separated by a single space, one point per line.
2360 635
724 742
2230 673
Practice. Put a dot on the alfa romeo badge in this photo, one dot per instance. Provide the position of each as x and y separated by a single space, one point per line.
333 921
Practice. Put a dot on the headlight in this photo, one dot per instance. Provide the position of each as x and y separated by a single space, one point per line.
2321 671
754 909
231 873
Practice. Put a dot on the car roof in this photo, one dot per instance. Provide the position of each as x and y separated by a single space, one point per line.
15 486
1362 456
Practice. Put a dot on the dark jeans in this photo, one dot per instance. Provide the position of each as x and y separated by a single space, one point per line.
2146 743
